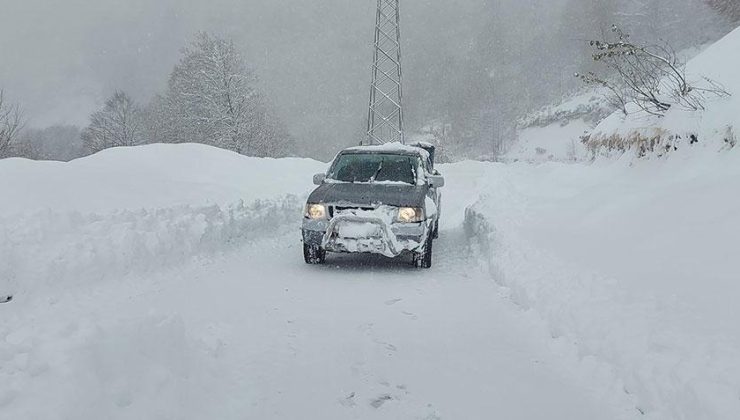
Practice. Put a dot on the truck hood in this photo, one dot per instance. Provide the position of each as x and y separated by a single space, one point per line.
370 194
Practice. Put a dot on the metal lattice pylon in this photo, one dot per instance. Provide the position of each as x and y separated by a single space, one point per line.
385 116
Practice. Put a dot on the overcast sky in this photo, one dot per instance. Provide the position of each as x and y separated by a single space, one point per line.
60 59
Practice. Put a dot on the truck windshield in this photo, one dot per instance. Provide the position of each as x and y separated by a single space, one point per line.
374 167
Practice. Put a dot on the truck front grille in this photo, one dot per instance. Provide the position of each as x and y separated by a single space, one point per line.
339 209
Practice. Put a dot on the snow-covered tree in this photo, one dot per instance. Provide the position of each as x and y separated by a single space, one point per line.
212 99
119 123
10 125
160 122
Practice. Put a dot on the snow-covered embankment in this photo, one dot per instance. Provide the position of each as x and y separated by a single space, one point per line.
633 268
138 209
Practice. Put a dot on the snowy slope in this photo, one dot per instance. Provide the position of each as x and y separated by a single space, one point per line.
555 133
558 142
716 127
633 268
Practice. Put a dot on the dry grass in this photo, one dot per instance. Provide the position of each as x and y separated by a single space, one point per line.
658 143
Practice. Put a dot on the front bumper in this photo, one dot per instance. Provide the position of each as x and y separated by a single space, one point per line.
376 236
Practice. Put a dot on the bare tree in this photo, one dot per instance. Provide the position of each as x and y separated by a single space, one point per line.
650 76
11 122
119 123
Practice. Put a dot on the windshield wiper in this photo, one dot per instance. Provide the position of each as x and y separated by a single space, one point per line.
375 175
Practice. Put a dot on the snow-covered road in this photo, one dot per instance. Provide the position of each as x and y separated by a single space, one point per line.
351 341
257 334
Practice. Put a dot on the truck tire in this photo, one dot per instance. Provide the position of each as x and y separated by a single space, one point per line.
424 259
313 254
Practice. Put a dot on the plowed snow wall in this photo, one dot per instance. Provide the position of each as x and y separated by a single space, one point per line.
54 250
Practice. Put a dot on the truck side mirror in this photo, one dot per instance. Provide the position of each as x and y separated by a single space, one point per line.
436 181
319 179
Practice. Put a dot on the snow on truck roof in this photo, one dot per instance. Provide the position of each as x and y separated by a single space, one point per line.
389 148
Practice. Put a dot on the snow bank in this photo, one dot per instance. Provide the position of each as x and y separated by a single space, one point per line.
631 265
152 177
137 209
50 251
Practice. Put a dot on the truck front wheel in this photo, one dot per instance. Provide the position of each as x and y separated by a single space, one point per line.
313 254
424 259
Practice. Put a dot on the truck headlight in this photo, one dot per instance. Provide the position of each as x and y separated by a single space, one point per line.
316 211
410 215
